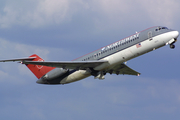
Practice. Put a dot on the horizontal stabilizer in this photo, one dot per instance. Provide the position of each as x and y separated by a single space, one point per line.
18 59
37 70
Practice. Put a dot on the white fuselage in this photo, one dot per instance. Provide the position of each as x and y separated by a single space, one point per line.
145 46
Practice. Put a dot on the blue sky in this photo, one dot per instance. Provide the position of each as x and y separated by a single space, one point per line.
66 29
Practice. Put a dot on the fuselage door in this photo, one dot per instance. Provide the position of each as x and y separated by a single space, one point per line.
150 35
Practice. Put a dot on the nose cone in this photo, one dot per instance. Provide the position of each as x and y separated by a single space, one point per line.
175 34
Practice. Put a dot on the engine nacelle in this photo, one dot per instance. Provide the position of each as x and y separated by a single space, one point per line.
54 74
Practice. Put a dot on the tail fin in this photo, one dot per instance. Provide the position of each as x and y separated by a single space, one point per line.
38 70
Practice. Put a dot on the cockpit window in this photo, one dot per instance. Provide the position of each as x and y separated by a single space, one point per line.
164 28
159 28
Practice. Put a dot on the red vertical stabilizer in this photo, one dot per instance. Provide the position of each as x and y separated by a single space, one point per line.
39 70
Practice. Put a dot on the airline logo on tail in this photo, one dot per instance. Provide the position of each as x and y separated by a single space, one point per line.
40 66
38 70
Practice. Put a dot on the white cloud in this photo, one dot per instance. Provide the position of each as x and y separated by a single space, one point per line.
159 11
50 12
38 13
41 13
162 11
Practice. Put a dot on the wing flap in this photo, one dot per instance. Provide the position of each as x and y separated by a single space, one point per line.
123 69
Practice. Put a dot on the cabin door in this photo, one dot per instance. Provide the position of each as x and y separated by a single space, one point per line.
150 35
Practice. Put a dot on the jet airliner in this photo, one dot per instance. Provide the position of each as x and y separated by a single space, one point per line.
109 59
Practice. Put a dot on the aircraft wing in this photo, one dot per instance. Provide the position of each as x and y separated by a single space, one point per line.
118 69
67 64
123 69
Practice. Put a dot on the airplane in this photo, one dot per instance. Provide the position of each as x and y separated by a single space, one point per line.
109 59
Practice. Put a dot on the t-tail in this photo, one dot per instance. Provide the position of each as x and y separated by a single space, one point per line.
45 74
38 70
